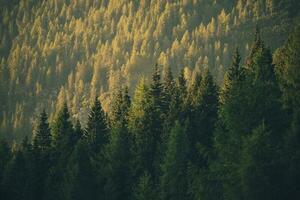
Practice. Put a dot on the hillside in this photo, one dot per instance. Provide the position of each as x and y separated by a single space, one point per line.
60 49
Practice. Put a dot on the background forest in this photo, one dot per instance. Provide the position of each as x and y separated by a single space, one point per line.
61 49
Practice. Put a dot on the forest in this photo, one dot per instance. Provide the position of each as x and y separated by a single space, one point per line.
173 140
146 100
56 50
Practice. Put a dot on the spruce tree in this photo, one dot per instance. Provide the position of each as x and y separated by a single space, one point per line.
204 115
62 131
96 131
42 151
81 174
19 174
140 126
287 60
63 135
145 189
174 167
260 175
118 170
42 137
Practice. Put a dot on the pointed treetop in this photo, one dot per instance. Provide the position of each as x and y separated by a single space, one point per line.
235 71
42 138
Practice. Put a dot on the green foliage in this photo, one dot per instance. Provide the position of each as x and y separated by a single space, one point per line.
42 138
174 166
179 138
96 132
145 189
119 169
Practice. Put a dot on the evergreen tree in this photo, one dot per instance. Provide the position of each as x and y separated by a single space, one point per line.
96 132
140 127
42 138
145 188
174 166
18 174
78 132
62 131
120 108
288 71
168 89
42 152
56 186
81 173
204 115
119 170
259 169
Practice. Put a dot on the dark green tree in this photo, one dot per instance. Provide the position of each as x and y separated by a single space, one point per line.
145 189
96 131
287 60
81 174
42 152
62 131
18 175
259 170
42 137
63 135
174 166
118 170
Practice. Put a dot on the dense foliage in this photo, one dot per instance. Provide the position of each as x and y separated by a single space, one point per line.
52 50
174 139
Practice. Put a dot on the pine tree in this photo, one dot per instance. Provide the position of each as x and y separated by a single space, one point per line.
42 138
119 170
287 60
120 108
259 170
42 151
168 89
18 174
174 166
204 114
145 188
81 174
78 132
140 126
228 132
63 135
96 131
62 131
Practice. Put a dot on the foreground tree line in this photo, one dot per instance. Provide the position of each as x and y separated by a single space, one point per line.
173 140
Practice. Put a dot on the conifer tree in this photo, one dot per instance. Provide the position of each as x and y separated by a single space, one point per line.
78 132
18 174
63 146
145 189
287 60
168 89
81 173
96 132
42 151
204 114
259 171
62 131
42 138
118 170
121 106
174 167
140 126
